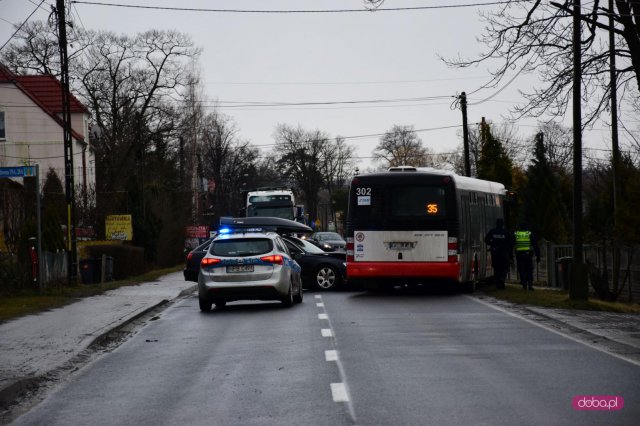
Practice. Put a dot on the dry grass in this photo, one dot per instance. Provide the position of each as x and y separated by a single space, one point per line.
552 298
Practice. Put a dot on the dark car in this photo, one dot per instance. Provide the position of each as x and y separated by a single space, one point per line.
320 270
192 263
328 241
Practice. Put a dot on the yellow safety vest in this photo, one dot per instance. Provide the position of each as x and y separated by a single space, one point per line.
523 240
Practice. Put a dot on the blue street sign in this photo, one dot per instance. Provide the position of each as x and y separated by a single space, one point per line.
22 171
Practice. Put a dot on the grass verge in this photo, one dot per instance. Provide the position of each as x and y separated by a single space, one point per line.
549 298
33 302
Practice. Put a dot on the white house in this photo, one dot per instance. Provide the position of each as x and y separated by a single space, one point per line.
31 128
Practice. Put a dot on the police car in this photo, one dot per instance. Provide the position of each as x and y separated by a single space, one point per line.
248 264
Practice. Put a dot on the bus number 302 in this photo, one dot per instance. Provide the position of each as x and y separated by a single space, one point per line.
363 191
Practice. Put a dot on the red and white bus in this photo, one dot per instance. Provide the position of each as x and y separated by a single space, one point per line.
417 225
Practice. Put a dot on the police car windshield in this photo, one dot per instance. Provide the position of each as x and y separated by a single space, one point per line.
241 247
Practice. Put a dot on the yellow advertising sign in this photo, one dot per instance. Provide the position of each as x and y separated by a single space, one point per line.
119 227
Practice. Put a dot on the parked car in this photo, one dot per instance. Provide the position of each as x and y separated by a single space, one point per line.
328 241
320 270
248 266
192 262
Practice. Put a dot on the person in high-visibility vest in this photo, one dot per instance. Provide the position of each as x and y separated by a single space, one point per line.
526 245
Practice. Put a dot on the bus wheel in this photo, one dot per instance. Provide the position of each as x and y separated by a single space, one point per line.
469 286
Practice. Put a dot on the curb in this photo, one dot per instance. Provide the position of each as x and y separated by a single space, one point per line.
622 349
619 349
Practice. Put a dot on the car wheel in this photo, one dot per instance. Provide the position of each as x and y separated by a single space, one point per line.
327 277
287 301
220 303
205 302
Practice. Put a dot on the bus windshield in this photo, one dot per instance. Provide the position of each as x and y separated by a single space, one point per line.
400 203
419 201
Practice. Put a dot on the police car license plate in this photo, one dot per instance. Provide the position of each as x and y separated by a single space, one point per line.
240 268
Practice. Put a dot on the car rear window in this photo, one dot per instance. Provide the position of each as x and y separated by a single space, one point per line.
241 247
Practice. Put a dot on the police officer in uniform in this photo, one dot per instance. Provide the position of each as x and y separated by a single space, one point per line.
526 246
500 243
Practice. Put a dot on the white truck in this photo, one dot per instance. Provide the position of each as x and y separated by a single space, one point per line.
273 202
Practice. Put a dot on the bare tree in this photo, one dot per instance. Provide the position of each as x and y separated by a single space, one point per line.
300 153
558 143
128 84
225 161
338 166
34 49
537 37
401 146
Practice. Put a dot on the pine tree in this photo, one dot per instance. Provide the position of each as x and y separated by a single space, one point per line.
494 164
543 208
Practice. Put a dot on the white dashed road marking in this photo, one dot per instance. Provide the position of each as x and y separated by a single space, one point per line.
331 355
339 392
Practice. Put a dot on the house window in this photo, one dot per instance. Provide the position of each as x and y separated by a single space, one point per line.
2 132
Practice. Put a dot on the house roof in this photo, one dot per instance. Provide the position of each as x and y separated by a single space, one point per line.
5 74
48 90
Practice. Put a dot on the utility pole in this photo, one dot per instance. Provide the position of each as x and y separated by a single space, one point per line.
578 289
615 160
68 146
465 134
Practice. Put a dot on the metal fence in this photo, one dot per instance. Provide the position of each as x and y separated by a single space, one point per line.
552 255
54 267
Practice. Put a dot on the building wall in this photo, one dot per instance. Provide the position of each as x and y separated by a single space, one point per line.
32 136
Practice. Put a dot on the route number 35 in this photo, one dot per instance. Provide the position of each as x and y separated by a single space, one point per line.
363 191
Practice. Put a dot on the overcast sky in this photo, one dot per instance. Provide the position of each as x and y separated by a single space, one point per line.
328 58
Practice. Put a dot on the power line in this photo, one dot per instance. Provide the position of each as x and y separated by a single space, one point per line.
372 101
21 25
265 11
336 83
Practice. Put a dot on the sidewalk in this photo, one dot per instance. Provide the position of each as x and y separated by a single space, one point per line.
32 346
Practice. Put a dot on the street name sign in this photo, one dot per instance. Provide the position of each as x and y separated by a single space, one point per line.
22 171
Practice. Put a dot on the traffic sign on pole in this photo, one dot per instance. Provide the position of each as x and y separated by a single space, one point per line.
21 171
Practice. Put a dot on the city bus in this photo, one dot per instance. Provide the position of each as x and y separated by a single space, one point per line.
413 225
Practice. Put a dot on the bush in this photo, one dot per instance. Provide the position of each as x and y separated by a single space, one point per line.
128 260
12 276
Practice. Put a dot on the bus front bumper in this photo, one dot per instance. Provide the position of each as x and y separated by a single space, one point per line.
427 270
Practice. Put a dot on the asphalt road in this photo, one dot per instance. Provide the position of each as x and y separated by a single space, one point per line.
406 358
